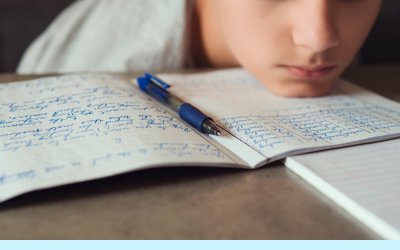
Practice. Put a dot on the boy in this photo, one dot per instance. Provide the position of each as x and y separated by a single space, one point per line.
296 48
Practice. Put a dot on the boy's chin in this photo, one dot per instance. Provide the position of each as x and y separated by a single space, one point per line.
300 88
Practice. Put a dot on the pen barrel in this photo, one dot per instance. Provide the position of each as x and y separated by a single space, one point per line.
174 103
193 116
186 111
168 99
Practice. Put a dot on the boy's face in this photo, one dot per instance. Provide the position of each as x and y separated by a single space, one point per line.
295 47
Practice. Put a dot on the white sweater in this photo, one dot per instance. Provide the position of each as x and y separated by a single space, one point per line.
112 35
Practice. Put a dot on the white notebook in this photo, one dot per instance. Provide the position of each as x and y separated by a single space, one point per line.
72 128
364 180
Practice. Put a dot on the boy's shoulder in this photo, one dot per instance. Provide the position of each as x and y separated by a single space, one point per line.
117 35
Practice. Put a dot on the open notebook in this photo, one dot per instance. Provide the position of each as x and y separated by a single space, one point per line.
72 128
364 180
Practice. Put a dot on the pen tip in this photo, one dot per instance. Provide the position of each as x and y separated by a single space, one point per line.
209 127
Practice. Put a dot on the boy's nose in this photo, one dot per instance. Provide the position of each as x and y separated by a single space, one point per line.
314 26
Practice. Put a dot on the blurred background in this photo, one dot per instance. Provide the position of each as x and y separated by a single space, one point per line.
23 20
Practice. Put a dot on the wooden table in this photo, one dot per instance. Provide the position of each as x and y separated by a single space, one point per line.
191 203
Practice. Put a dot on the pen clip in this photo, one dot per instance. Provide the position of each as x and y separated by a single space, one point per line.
157 81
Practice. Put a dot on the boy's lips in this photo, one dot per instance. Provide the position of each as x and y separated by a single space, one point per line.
310 72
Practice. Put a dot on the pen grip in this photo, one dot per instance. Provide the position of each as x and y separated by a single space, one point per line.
192 115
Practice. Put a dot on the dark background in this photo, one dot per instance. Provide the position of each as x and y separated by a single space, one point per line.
23 20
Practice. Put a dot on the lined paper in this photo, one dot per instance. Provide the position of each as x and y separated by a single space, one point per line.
364 180
276 126
72 128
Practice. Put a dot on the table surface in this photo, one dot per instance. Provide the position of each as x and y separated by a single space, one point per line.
191 203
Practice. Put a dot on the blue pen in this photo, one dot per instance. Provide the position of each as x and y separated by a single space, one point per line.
158 90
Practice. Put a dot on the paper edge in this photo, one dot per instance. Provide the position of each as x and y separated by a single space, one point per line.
372 221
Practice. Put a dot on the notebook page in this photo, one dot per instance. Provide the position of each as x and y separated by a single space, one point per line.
277 126
250 156
364 180
73 128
